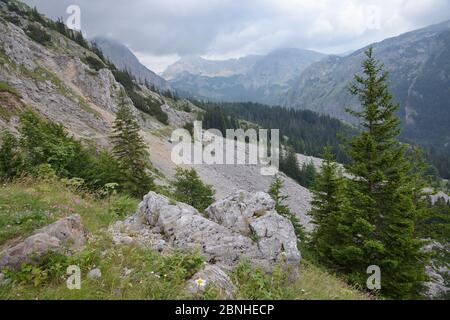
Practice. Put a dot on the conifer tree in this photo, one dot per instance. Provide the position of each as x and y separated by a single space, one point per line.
279 198
383 212
289 163
130 150
327 204
190 189
308 175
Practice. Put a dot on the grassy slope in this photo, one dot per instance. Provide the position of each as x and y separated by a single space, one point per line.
28 204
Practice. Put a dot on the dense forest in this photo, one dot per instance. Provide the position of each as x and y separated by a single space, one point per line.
306 131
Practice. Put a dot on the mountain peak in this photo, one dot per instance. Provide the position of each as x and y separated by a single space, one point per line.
124 58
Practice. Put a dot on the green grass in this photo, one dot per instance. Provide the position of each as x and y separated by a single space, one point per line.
152 276
28 204
5 87
313 283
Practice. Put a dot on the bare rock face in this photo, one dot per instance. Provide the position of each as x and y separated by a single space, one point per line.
238 210
211 275
259 233
64 234
437 271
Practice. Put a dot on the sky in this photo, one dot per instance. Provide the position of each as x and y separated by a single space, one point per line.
160 32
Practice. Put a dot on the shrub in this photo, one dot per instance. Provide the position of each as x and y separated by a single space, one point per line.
254 283
38 34
52 267
13 19
190 189
155 110
187 108
122 206
34 15
46 146
15 8
94 63
124 78
11 160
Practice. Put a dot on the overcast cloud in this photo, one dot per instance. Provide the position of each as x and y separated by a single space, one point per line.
161 31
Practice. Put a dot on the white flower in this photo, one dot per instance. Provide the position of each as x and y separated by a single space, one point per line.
200 282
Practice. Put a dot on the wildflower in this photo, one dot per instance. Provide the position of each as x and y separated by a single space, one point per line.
200 282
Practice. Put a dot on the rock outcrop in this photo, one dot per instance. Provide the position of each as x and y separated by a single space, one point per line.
64 235
269 238
243 225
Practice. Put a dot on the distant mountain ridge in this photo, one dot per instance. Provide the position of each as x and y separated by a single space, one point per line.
123 58
210 68
419 75
263 79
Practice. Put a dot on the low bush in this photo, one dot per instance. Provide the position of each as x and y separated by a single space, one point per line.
94 63
38 34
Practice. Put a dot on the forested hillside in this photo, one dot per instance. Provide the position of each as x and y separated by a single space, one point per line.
419 75
306 131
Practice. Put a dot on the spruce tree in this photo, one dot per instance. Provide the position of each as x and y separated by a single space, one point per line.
289 163
327 204
280 198
190 189
131 152
382 215
308 174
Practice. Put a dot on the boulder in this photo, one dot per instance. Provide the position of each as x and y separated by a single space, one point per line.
184 228
276 238
60 236
258 233
211 275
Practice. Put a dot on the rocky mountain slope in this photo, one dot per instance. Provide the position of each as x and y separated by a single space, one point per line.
56 81
262 79
124 59
419 75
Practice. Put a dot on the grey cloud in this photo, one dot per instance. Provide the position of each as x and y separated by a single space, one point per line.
239 27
